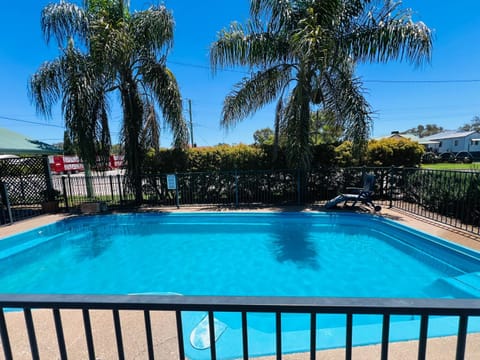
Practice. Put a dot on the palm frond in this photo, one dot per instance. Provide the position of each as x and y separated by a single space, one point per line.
343 96
85 107
253 93
45 86
164 87
63 21
110 47
239 46
151 130
153 29
279 14
389 34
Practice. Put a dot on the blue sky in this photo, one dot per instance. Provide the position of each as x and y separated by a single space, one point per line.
401 95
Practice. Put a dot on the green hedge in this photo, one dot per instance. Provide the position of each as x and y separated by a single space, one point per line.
211 158
394 152
245 157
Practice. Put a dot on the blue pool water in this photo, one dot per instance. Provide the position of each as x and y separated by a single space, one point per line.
281 254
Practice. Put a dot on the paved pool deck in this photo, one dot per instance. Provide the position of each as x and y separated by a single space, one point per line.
163 323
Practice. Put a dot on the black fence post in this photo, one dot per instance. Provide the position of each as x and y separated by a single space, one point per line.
6 202
111 188
390 184
298 187
70 189
3 220
48 173
236 188
119 188
65 196
177 198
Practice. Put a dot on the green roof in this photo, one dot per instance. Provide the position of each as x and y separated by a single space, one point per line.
16 144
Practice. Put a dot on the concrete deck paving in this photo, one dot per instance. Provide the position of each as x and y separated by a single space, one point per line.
163 323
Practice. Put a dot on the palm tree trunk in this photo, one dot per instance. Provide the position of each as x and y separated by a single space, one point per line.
88 180
298 122
132 127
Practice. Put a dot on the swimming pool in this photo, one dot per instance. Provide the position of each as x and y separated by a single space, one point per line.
261 254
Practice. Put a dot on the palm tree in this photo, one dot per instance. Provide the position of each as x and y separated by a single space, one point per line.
303 53
105 48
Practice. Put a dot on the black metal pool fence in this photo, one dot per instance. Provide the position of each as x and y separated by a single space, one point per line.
450 197
462 310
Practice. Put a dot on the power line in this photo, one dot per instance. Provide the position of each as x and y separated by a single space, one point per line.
30 122
452 81
205 67
441 81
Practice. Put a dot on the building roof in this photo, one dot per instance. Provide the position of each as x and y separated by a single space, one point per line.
411 137
398 135
14 143
449 135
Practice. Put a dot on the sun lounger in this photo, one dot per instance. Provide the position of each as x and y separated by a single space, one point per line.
357 195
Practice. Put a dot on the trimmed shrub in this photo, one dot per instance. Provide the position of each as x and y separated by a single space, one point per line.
396 152
386 152
211 158
344 154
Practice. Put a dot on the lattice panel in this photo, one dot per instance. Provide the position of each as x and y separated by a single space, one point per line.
25 179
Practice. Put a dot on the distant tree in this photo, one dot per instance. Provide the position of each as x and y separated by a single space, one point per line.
423 131
473 126
325 130
117 149
432 129
263 137
68 145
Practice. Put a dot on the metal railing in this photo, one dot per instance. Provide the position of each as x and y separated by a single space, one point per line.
223 187
449 197
424 308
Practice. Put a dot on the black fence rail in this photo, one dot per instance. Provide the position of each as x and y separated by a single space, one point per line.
449 197
38 332
270 187
79 189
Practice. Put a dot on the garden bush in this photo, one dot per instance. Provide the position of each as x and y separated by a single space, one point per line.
211 158
394 152
246 157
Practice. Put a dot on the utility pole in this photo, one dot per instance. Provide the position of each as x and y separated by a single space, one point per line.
191 122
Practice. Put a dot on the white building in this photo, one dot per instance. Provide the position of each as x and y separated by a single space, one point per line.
453 142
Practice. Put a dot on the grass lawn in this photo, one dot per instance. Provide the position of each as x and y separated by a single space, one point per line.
452 166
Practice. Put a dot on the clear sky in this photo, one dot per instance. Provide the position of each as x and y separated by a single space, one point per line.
445 92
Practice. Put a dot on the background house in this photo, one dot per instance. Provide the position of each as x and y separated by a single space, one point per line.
397 135
453 142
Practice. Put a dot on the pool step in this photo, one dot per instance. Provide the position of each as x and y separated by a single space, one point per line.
37 241
200 335
465 285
